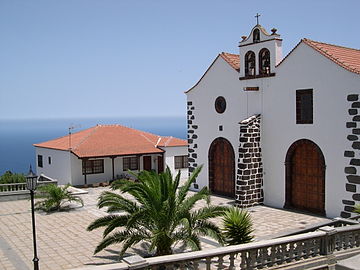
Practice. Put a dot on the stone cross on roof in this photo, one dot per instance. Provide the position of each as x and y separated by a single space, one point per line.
257 18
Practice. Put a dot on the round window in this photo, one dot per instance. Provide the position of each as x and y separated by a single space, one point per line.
220 104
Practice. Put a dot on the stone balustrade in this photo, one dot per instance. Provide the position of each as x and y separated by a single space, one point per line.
314 250
12 187
18 191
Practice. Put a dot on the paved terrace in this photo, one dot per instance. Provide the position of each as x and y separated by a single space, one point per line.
64 243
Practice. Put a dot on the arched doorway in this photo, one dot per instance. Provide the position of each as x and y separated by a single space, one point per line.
222 168
305 177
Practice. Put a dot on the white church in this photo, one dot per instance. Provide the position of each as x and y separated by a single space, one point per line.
283 131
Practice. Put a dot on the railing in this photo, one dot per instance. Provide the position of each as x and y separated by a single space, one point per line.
310 250
19 187
12 187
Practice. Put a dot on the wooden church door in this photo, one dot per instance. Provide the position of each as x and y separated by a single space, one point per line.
222 168
305 177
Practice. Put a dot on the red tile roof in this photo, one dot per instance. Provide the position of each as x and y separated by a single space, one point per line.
232 59
112 140
347 58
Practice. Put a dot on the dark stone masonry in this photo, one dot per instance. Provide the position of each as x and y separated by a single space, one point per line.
192 138
249 180
353 179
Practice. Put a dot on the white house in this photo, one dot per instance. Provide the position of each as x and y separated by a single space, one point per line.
279 131
107 152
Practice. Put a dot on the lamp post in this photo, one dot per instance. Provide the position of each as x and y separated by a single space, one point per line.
31 183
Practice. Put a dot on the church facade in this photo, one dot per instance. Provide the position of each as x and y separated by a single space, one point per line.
279 131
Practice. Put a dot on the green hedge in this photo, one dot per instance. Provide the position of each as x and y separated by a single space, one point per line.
9 178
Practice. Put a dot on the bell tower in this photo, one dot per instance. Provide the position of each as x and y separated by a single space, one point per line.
259 53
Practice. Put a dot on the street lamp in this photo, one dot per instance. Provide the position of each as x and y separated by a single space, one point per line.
31 183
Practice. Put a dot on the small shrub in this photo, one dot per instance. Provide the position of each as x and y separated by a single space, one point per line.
357 209
54 197
237 226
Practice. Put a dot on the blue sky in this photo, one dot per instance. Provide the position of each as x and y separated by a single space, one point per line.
120 58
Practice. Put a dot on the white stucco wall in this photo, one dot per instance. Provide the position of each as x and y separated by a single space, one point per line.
60 167
307 69
78 177
169 158
303 69
220 80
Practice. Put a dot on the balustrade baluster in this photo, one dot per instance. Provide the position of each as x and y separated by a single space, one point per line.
337 242
232 261
182 266
208 263
266 255
259 258
284 253
243 260
272 255
346 241
196 264
252 258
291 252
278 254
357 239
221 262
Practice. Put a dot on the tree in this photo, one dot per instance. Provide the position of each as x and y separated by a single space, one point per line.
54 197
160 214
237 226
8 177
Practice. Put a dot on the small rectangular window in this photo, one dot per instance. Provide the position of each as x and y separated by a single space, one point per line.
130 163
304 106
49 160
93 166
181 162
40 161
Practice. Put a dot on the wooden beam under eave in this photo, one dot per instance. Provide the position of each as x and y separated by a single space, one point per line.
113 167
84 168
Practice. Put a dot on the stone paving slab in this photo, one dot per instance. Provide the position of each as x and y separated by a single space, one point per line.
64 243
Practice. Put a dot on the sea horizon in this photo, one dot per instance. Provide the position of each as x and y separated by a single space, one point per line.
17 136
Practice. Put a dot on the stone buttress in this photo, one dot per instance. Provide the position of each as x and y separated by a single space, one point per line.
249 180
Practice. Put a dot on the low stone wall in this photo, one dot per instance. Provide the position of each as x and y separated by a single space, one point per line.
18 191
315 250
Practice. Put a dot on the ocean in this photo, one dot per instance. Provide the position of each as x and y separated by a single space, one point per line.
18 136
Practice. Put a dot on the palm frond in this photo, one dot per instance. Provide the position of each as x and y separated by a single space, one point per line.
183 191
193 242
101 222
114 238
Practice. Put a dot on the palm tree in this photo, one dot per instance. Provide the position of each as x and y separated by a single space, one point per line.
54 197
160 214
237 226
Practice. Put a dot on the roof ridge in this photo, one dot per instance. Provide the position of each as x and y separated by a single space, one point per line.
168 140
86 137
339 46
230 61
146 138
330 56
230 53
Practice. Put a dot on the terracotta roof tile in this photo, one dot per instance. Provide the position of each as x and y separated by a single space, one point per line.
111 140
232 59
347 58
170 141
